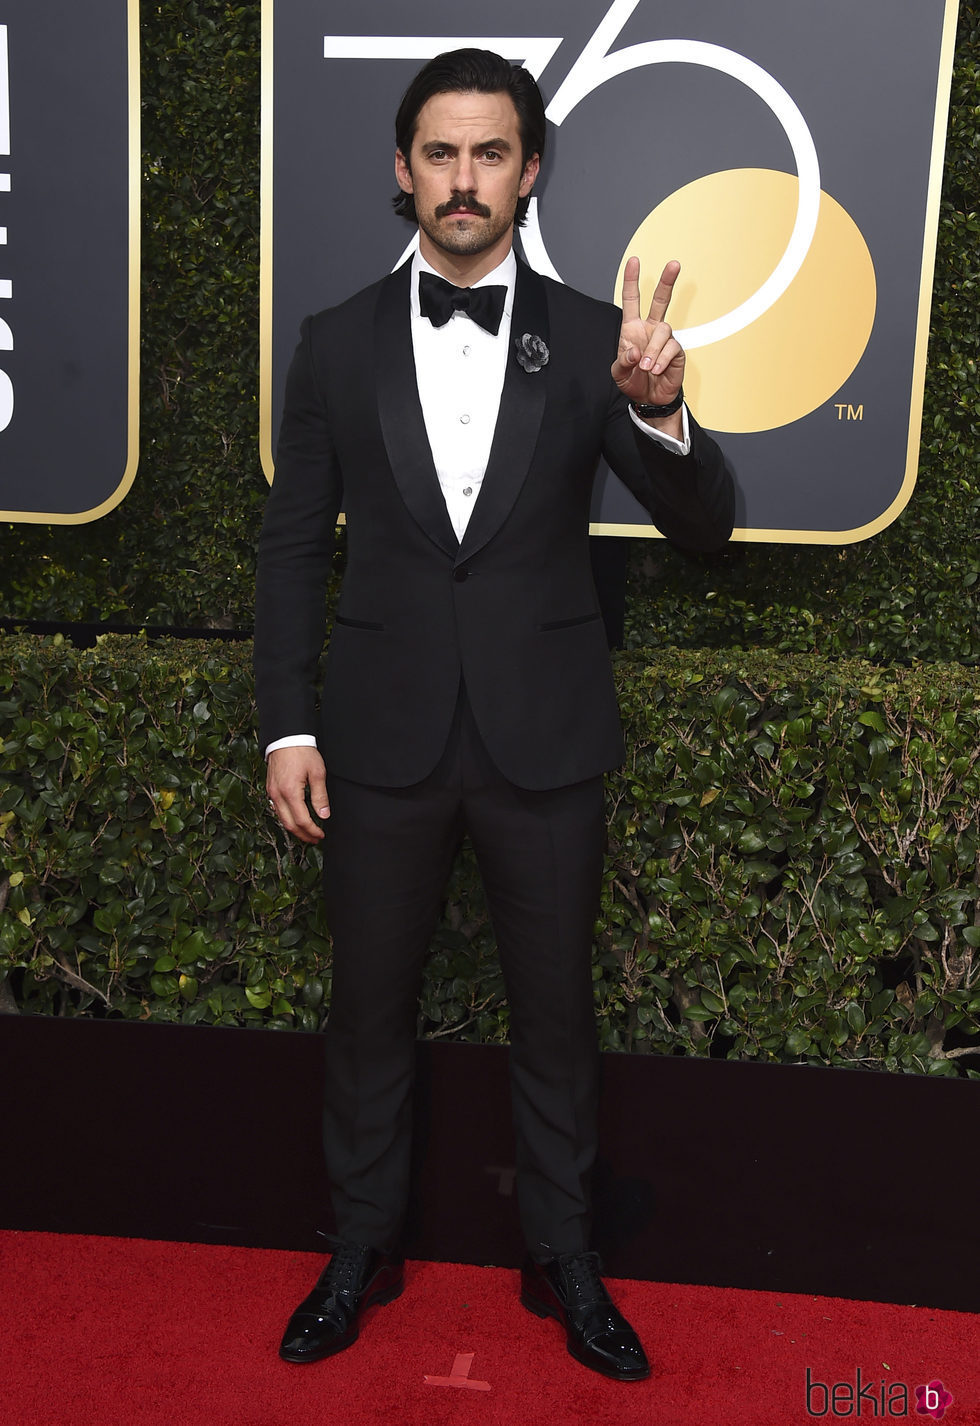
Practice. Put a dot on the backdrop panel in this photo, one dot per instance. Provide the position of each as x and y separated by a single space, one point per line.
789 156
69 273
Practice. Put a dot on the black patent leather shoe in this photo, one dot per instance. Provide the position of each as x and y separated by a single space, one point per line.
329 1319
569 1287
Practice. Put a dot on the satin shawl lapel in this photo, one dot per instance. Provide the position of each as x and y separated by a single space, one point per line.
400 412
518 422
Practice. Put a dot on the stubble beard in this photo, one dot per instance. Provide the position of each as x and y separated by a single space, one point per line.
465 236
464 241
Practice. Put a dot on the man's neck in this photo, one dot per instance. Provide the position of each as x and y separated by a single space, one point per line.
463 269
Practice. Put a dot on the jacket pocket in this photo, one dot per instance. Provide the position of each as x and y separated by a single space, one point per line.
567 623
358 623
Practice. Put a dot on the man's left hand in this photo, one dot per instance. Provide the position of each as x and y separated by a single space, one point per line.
649 366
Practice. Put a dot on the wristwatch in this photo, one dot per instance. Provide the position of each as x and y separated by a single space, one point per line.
644 409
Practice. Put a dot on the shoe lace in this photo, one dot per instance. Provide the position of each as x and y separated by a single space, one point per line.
580 1272
343 1272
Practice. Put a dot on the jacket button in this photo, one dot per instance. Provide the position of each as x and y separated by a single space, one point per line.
460 574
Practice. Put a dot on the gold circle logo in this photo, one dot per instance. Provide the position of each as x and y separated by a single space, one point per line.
728 230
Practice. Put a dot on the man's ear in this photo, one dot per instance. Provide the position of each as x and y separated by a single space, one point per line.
529 175
403 173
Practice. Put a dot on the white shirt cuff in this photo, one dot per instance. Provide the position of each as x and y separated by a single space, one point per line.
298 740
676 447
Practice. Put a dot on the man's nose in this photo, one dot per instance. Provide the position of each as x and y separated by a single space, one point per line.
464 176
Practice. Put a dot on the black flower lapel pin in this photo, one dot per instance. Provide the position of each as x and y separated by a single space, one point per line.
531 352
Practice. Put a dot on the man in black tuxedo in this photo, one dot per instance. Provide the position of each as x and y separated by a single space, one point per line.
456 412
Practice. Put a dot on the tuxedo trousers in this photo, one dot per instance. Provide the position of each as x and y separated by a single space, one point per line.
388 853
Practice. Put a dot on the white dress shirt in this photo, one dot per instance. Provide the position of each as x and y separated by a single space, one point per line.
459 370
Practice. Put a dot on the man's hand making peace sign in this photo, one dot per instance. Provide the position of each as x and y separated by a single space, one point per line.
649 366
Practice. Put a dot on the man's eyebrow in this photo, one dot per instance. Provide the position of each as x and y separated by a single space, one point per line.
503 144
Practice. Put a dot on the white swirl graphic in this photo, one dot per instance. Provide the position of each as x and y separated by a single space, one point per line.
594 67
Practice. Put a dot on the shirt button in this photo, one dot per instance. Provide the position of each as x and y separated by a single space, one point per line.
467 490
464 420
466 351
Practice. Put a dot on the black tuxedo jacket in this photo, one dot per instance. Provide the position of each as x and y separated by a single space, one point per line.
513 607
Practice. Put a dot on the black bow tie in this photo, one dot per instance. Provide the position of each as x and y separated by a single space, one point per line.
439 299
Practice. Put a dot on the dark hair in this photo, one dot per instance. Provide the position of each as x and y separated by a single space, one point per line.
471 71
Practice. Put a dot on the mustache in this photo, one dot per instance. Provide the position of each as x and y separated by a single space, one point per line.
462 202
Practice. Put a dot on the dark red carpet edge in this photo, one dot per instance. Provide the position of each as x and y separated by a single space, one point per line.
125 1332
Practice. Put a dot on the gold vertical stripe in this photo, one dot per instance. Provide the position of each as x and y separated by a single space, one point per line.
265 247
929 239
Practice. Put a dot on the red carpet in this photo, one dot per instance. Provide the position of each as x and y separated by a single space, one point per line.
123 1332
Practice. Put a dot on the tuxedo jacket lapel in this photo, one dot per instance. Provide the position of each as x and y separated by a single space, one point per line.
522 403
400 412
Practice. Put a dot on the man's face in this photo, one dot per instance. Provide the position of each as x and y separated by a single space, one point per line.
466 173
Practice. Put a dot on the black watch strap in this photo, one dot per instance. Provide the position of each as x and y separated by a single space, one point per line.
645 410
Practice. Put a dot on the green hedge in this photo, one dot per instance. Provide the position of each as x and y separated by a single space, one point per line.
180 549
792 872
